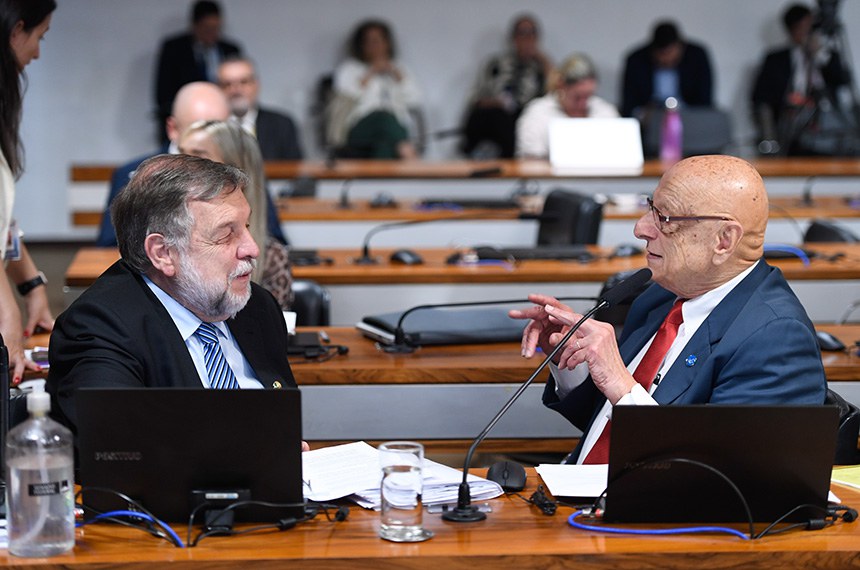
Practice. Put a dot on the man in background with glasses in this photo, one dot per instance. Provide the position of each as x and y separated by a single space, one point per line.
718 326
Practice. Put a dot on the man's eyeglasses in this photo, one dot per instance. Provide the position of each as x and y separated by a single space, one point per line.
661 220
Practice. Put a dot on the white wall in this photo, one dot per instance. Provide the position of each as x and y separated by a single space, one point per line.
90 95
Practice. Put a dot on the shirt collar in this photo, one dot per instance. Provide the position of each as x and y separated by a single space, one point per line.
186 321
700 307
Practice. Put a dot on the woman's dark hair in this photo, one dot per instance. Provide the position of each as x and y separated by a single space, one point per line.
355 43
31 13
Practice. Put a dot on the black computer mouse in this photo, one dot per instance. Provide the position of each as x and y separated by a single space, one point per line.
406 257
626 250
827 341
509 474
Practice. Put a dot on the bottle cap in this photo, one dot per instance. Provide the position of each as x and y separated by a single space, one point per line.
38 401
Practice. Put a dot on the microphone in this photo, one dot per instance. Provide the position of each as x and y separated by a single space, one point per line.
465 511
806 200
367 259
402 344
344 203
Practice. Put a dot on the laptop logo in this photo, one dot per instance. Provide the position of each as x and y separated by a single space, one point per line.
118 456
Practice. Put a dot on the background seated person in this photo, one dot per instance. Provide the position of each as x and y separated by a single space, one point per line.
573 96
506 83
374 93
229 143
719 325
179 309
275 132
668 66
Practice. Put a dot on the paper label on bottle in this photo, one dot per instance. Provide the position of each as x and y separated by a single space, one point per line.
49 488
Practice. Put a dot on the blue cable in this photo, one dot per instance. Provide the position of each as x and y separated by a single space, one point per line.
571 520
134 514
788 249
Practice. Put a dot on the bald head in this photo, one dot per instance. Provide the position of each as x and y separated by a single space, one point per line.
725 185
719 205
198 101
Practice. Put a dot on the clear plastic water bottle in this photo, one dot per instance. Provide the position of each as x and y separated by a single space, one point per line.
671 136
40 482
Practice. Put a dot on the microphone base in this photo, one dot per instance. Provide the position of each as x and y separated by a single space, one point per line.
463 514
365 260
397 348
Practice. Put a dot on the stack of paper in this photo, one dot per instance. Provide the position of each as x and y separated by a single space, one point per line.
352 470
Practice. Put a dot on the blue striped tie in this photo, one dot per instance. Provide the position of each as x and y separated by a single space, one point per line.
220 374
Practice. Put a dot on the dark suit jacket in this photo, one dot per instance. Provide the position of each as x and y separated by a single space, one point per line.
117 334
772 83
277 135
756 347
694 76
177 65
107 233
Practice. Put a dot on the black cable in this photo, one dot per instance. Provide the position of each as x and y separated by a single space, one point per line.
157 529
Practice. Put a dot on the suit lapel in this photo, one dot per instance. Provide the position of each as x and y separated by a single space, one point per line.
681 375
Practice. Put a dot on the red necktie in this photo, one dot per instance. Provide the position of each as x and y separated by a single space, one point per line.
645 373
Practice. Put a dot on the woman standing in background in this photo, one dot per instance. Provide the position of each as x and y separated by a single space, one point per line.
25 23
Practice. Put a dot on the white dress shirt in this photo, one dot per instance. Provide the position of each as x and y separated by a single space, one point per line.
188 323
694 312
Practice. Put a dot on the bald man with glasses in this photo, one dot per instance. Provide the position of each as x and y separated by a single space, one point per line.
719 325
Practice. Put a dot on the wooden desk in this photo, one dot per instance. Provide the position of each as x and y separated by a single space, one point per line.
89 263
510 169
514 535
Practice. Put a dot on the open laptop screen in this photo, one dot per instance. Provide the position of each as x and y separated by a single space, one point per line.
595 147
158 445
779 457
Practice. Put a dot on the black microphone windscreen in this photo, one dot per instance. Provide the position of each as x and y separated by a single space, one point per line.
626 287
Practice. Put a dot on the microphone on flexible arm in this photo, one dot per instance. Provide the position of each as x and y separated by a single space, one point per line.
367 259
465 511
404 345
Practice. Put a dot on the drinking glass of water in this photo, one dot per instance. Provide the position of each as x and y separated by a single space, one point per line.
400 490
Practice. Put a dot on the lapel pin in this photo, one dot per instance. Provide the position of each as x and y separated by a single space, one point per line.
691 360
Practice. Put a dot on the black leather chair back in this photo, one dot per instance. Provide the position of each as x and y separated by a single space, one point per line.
617 314
569 218
849 429
311 303
825 230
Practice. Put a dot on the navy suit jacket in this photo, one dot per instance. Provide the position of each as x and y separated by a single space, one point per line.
694 77
177 65
117 334
107 233
278 136
756 347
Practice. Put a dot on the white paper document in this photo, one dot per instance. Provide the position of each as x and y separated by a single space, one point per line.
574 480
352 470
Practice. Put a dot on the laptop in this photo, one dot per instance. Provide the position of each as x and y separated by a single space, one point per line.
158 445
779 457
445 326
595 147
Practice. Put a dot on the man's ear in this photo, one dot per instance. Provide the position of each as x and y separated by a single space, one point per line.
158 251
728 238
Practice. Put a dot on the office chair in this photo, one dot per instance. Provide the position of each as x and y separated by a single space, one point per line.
706 130
311 303
825 230
849 429
569 218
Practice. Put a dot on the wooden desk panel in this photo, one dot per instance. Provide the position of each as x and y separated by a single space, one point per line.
457 169
89 263
515 535
480 363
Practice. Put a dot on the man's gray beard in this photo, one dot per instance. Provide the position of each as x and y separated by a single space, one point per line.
212 300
